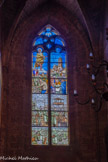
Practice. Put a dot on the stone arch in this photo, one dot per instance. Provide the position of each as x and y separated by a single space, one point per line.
17 105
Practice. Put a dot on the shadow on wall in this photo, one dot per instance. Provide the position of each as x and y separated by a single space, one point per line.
0 88
106 141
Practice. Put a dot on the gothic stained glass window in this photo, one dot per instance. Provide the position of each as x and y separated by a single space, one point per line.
50 124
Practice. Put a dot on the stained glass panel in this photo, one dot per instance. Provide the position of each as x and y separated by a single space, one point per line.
52 39
40 71
48 28
59 86
57 56
39 118
60 136
39 57
58 70
39 136
38 41
39 102
59 41
48 34
39 85
49 89
59 102
49 45
45 39
59 119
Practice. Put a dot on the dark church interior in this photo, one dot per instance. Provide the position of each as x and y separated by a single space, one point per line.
83 25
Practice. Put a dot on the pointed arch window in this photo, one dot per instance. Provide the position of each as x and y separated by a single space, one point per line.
50 124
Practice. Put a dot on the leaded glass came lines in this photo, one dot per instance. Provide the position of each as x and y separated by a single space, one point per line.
50 124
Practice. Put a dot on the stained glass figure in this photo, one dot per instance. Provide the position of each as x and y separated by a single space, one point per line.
39 56
40 72
59 86
39 85
49 89
58 70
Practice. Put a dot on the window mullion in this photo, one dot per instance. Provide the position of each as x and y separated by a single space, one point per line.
49 100
50 125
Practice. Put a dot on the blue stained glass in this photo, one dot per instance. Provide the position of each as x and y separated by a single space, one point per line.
38 41
48 34
45 40
48 28
59 86
58 49
49 31
58 56
59 41
58 70
49 68
39 57
54 33
39 49
49 46
52 40
40 71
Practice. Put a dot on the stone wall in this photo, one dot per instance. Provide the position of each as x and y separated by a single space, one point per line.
87 128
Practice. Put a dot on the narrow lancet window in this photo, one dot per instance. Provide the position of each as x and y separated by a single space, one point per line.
50 124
